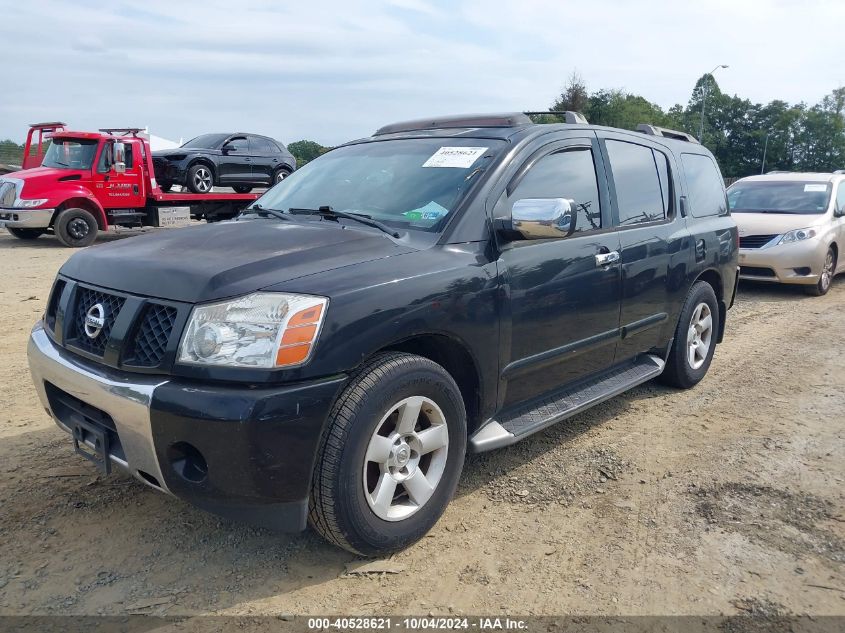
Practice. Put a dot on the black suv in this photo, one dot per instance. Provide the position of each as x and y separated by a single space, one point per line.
442 285
241 161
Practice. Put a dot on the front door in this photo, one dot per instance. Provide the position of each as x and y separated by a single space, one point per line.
236 162
561 299
116 190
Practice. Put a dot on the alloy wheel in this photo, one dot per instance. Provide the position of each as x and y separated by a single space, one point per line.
699 335
405 458
202 180
827 271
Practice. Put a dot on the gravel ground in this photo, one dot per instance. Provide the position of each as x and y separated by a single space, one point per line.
724 499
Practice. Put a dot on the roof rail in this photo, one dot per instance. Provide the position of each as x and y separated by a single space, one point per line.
512 119
653 130
778 171
839 171
569 116
122 131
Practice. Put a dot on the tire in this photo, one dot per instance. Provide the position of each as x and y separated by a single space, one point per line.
200 178
76 227
242 188
825 276
166 188
279 175
350 470
26 234
685 368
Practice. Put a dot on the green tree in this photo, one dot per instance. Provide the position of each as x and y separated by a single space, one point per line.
305 151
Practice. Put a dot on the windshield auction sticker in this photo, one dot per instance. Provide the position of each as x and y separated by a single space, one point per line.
460 157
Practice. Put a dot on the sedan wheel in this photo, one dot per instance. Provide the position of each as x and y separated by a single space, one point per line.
825 276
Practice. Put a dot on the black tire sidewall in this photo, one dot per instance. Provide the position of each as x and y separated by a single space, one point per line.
65 218
277 173
190 177
363 529
701 292
242 188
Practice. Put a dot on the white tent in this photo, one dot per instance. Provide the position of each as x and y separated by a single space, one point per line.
157 142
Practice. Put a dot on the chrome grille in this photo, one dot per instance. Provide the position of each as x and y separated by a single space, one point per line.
7 194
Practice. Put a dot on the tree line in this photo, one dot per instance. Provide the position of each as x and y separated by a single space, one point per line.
793 137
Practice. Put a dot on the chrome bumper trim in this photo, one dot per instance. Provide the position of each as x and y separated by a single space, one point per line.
27 218
127 402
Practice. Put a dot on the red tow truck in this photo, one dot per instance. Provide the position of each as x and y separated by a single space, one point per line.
81 183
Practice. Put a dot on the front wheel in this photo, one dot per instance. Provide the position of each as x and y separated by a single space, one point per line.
200 178
76 228
26 234
695 338
391 457
825 277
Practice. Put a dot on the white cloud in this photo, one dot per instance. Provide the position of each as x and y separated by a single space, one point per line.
333 70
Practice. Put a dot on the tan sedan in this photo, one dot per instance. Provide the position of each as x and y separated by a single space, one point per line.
791 228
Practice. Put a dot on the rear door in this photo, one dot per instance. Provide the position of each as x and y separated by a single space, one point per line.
561 305
654 240
265 159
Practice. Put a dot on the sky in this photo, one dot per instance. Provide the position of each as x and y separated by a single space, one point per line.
335 70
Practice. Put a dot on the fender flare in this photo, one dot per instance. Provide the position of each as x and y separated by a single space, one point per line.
82 197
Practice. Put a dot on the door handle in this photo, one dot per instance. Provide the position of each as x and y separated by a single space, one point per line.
605 259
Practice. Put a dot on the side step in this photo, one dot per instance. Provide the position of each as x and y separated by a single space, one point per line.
516 424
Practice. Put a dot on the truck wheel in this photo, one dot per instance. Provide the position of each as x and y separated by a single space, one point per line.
242 188
280 175
26 234
390 457
76 228
825 277
200 178
695 338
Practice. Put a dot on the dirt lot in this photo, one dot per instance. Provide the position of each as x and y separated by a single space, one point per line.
723 499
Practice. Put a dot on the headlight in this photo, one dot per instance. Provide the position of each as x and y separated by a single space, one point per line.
797 235
29 204
262 330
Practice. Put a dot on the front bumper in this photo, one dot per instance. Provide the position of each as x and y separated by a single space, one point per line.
795 263
257 446
26 218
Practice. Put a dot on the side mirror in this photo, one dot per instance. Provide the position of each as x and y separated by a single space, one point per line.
542 218
119 164
229 148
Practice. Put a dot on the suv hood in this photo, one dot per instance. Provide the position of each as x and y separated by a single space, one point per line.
227 259
775 223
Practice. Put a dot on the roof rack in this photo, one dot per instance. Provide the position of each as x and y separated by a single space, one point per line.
515 119
653 130
48 124
122 131
569 116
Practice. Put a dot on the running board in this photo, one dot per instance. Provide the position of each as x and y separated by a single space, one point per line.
537 415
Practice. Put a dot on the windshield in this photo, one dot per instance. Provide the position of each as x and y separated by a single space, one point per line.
794 196
70 153
206 141
408 183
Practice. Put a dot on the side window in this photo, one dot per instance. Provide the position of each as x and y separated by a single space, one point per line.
705 187
238 144
127 156
106 161
641 178
569 174
261 146
840 197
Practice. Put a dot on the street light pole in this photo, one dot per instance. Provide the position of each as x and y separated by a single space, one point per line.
765 147
704 99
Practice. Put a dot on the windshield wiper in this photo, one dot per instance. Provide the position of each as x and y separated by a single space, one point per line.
276 213
328 212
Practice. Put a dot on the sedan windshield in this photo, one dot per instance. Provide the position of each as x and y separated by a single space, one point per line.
70 154
206 141
407 183
797 197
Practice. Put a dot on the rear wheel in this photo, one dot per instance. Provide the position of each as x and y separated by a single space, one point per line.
280 175
242 188
390 459
695 338
166 188
76 227
26 234
825 277
200 178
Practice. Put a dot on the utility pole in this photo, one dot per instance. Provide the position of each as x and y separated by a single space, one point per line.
704 99
765 147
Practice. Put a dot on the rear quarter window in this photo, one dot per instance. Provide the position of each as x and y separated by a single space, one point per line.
705 187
